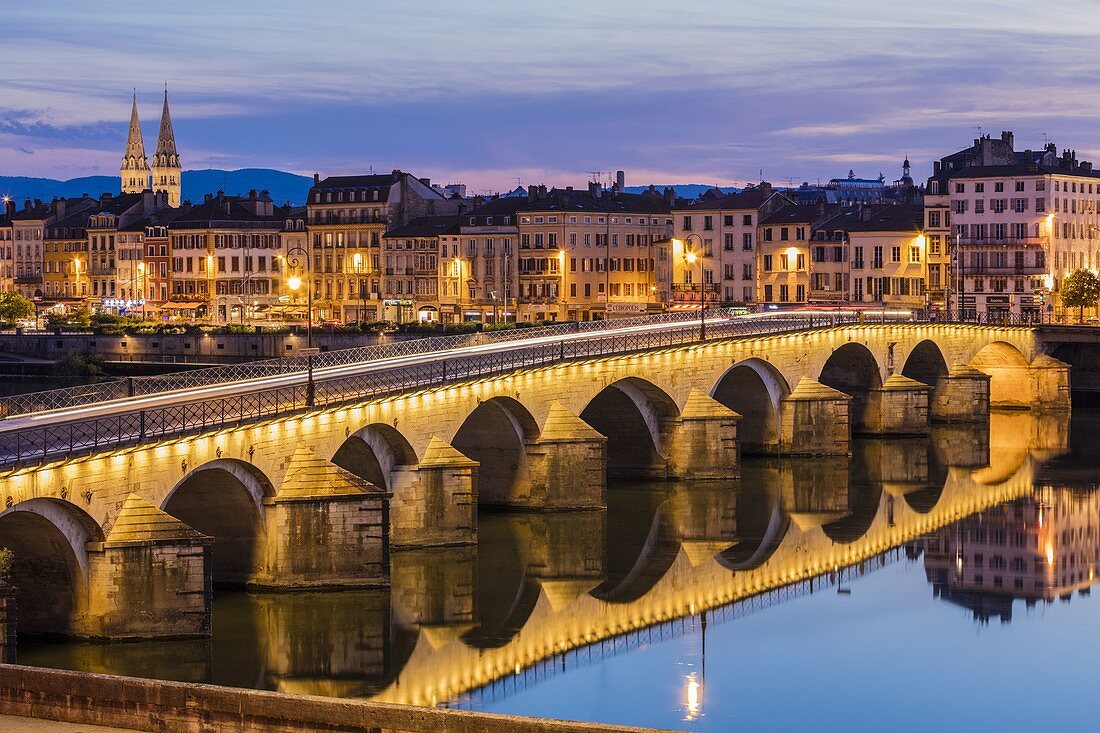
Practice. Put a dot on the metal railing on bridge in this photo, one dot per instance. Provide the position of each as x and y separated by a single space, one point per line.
30 446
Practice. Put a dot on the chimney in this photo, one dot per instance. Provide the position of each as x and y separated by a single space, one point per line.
594 189
1006 136
936 168
426 181
59 208
9 207
620 181
670 196
104 199
207 198
27 204
542 190
252 194
766 187
148 201
532 193
987 151
316 178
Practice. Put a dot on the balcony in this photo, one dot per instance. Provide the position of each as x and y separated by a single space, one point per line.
1030 270
1002 242
691 288
27 279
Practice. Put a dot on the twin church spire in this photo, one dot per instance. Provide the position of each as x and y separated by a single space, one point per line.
166 172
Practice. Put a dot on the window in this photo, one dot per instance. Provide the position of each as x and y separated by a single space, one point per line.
1019 185
767 264
979 188
746 219
895 254
960 188
914 254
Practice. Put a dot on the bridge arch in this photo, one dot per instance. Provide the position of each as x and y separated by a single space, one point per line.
49 538
224 499
374 452
753 388
634 414
1007 367
654 557
496 435
925 363
853 370
762 525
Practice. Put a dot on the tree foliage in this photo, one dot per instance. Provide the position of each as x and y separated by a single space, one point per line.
14 306
1080 289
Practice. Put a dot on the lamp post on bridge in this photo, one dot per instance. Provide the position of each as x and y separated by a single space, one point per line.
293 258
691 257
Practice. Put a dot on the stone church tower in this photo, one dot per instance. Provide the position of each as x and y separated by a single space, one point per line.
135 166
167 172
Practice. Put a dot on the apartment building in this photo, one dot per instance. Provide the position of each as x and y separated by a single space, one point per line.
870 253
226 257
411 269
478 277
346 218
65 259
783 254
7 254
721 231
595 253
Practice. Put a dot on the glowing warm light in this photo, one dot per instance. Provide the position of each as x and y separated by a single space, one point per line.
920 240
1050 554
693 697
294 282
1048 282
677 246
959 563
357 259
690 257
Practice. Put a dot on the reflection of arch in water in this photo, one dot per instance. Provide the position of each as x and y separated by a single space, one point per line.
634 415
864 499
853 370
495 435
655 557
761 524
925 363
505 594
1009 378
753 388
224 499
924 500
49 538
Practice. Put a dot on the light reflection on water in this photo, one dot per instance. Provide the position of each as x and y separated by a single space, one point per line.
763 602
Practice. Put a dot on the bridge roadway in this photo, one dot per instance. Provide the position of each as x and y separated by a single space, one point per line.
123 521
774 323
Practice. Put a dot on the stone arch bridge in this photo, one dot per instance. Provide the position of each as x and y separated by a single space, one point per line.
128 542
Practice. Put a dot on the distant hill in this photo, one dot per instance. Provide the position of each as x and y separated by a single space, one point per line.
283 186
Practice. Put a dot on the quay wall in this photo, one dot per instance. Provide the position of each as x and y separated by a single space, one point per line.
174 707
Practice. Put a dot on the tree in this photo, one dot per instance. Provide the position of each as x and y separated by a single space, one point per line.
1080 289
14 306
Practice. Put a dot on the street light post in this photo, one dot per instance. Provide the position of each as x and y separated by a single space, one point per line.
360 312
690 257
293 258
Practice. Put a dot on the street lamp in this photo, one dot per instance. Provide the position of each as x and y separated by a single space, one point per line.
562 300
691 257
293 258
141 277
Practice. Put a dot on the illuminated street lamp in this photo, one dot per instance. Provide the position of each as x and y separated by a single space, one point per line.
691 257
293 258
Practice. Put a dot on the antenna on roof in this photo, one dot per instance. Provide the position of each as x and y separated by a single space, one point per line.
1046 139
519 182
979 129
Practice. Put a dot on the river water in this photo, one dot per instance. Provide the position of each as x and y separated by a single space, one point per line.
940 583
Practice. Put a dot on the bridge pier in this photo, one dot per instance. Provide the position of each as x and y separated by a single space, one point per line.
435 503
325 527
961 395
702 443
899 407
813 421
434 586
149 579
1049 379
567 464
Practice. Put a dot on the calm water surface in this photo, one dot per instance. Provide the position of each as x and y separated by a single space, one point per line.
923 584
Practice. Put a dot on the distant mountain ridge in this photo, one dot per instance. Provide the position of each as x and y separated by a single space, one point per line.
284 187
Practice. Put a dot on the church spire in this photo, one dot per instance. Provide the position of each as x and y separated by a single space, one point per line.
134 172
167 171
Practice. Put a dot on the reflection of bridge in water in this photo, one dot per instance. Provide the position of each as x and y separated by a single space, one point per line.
545 593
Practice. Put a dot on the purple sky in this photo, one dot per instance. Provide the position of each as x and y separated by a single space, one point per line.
485 92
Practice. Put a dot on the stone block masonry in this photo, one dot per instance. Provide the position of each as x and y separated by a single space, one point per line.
172 707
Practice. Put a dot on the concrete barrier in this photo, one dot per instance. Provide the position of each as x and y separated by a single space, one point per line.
174 707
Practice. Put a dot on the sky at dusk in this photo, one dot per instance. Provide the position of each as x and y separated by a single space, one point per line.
485 92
